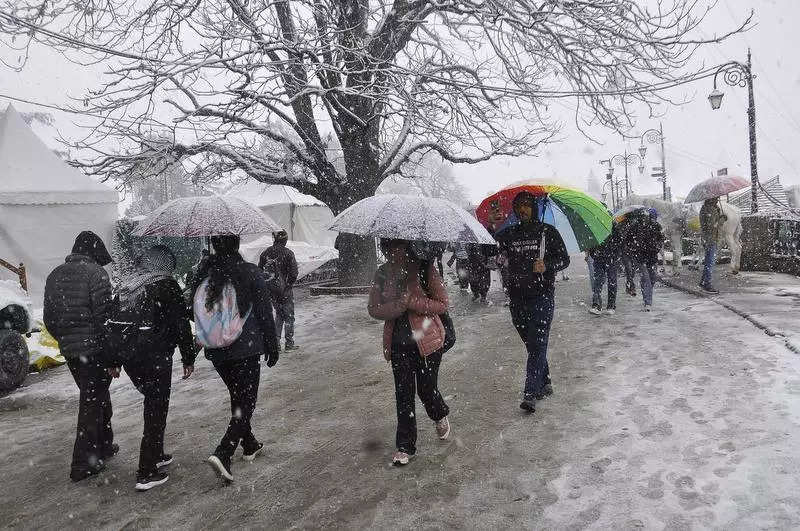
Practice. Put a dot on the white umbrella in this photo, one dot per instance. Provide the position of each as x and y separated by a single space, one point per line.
213 215
408 217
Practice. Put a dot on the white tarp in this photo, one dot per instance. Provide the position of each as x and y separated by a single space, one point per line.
305 218
44 204
309 257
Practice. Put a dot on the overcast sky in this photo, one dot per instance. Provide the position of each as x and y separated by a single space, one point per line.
698 140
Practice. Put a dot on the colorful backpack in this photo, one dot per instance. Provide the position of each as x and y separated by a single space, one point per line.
221 326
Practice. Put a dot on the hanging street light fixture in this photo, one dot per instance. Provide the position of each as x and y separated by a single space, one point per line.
651 136
736 74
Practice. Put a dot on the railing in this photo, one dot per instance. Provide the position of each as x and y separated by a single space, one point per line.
17 270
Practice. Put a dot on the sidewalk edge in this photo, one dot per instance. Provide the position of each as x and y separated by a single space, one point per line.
791 345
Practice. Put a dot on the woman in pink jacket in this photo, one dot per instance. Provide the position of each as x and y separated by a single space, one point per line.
409 295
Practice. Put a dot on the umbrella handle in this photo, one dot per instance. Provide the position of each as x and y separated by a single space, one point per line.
542 243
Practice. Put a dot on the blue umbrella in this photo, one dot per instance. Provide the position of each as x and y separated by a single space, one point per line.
551 214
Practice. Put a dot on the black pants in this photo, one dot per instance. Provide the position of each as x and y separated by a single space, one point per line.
94 435
152 376
412 370
241 377
480 280
532 317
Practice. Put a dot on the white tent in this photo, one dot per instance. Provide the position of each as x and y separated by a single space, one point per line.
305 218
44 204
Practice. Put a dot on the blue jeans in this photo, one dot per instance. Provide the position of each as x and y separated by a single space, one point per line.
647 279
708 265
532 317
605 270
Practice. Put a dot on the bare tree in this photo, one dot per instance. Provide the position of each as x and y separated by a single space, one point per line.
372 84
430 176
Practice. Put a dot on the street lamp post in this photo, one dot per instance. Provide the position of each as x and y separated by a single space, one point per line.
625 160
736 74
651 136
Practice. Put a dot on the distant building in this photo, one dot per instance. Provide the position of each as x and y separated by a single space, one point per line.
772 198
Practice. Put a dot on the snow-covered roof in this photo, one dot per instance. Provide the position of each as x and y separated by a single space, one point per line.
31 174
260 194
769 202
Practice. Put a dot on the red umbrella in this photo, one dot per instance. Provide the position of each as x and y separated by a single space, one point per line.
716 187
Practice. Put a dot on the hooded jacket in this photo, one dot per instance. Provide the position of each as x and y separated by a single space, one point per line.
77 299
286 263
520 243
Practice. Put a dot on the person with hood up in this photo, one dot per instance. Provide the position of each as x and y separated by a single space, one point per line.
644 240
77 300
534 252
409 295
605 258
238 363
152 289
711 221
279 264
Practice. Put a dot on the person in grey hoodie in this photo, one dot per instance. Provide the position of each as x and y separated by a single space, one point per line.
155 292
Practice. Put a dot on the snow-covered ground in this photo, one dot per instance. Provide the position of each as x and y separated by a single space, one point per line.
683 417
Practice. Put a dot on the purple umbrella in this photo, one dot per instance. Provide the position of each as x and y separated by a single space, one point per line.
716 187
192 217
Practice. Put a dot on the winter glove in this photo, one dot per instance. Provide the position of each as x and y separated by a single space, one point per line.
272 357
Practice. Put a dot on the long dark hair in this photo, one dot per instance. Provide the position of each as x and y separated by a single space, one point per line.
223 267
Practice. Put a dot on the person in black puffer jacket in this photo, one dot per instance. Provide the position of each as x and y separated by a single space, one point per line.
643 238
237 364
606 258
157 295
77 299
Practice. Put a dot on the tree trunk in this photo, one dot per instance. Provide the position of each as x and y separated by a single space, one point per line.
357 254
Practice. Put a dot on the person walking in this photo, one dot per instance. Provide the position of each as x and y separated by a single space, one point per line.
77 299
461 259
226 284
644 239
480 276
280 265
711 221
627 257
531 273
152 292
409 295
605 259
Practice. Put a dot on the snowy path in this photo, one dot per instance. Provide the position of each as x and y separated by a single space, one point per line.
685 417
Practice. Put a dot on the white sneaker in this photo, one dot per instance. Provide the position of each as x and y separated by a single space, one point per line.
400 459
610 311
647 308
443 429
594 310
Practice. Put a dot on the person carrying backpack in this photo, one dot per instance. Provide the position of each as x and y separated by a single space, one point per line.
409 295
280 267
149 320
233 321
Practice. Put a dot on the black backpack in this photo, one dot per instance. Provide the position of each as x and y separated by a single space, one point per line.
276 284
130 328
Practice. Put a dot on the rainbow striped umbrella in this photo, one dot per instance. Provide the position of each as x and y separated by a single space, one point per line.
582 221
